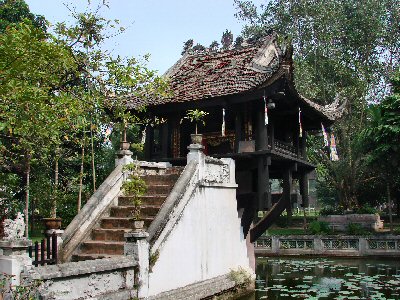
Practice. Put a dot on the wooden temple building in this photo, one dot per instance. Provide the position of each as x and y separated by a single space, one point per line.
250 89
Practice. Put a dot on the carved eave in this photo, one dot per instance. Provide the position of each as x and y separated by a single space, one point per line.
325 113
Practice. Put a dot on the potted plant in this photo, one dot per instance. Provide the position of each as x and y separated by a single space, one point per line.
196 116
135 187
54 222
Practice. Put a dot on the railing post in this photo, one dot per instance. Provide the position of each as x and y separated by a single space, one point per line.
54 247
136 245
14 258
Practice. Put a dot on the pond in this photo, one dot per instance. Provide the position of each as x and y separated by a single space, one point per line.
326 278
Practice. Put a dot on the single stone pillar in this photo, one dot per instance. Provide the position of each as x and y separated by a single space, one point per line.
15 258
195 152
137 246
124 157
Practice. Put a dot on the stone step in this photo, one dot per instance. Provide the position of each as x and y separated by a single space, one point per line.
146 200
169 179
122 223
102 247
116 235
157 189
126 211
174 170
81 256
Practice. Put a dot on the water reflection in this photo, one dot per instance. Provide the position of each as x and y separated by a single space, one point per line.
322 278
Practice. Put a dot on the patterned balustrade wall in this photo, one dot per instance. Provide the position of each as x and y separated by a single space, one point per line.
328 245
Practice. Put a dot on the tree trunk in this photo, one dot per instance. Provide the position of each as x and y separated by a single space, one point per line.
93 169
389 200
54 200
81 179
27 186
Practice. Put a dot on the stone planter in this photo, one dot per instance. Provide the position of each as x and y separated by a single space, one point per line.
125 145
196 138
52 223
341 222
138 225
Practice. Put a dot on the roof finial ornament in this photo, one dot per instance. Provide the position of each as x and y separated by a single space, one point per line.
227 39
187 46
238 42
214 46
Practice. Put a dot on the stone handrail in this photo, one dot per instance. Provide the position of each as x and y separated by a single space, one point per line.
108 278
202 172
80 227
330 245
183 188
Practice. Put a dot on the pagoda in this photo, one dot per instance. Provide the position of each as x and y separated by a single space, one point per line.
255 116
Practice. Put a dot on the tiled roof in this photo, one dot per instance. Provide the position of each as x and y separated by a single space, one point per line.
202 75
207 74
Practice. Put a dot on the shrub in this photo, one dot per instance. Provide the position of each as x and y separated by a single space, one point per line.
319 227
135 187
366 209
330 210
356 229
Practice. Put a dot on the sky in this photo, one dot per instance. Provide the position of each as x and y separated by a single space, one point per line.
157 27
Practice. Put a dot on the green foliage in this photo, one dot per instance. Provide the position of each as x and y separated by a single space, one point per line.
318 227
19 292
135 187
341 48
331 210
15 11
56 89
241 277
356 229
196 116
366 209
153 259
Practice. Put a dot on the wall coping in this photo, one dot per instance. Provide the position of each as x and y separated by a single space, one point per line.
82 268
312 236
90 213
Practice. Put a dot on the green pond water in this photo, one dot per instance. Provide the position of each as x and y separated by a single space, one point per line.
326 278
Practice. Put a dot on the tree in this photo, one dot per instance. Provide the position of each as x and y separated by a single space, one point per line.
381 140
345 48
15 11
56 88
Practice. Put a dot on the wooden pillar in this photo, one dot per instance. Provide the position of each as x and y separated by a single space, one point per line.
164 140
297 143
175 139
148 144
238 130
303 182
287 191
263 188
262 130
271 126
303 145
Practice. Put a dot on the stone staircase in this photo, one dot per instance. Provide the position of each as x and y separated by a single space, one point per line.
107 239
